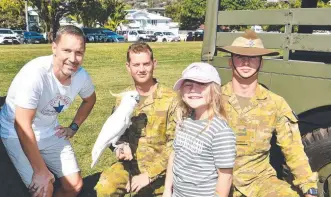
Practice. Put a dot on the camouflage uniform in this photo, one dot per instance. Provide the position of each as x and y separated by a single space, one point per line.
150 137
254 125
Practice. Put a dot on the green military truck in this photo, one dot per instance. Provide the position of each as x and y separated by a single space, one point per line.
302 75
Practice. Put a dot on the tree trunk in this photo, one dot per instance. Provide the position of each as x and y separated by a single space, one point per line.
55 25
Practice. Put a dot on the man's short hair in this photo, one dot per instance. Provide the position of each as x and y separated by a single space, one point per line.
139 47
69 30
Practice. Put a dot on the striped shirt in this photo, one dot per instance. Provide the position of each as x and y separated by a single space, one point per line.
199 151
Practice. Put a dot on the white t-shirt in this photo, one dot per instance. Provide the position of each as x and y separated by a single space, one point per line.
36 87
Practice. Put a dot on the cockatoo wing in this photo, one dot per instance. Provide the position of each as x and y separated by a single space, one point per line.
115 126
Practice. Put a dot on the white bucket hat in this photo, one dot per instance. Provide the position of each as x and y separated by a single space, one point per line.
199 72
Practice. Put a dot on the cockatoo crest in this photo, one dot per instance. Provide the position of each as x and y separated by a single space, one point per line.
129 97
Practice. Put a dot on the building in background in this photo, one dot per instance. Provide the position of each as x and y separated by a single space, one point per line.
144 20
158 11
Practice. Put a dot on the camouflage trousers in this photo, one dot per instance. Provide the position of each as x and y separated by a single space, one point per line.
271 187
113 180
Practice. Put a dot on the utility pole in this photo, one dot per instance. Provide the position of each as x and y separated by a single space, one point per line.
26 15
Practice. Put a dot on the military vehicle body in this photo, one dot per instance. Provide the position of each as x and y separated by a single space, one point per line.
302 74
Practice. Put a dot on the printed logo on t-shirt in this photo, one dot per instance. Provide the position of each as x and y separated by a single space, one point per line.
189 142
56 105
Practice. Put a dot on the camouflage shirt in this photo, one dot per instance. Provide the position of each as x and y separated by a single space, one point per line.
254 126
152 131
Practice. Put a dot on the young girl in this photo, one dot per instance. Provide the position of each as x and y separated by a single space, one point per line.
204 146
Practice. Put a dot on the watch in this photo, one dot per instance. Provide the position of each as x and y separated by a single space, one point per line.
74 126
312 191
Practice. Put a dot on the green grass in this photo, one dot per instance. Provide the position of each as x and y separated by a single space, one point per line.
106 65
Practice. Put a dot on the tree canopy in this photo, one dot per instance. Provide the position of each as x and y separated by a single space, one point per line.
190 13
12 14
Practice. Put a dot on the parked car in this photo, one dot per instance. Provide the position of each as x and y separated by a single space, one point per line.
112 36
195 36
7 36
94 35
140 35
124 34
136 35
257 28
19 34
189 36
32 37
166 37
150 36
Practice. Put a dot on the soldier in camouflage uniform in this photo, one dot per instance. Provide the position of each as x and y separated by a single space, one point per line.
147 143
254 113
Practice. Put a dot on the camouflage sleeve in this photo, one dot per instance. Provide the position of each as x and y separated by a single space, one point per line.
160 163
289 139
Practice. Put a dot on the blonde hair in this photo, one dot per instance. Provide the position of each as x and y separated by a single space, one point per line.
215 106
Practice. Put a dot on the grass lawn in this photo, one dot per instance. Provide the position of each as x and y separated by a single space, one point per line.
106 65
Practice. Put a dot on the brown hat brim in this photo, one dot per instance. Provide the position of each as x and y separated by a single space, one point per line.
249 51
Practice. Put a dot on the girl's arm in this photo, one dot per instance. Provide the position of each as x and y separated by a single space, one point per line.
224 182
169 176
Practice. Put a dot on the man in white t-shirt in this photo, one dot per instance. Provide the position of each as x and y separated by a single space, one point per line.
30 131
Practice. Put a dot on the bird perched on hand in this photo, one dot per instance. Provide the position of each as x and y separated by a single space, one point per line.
116 124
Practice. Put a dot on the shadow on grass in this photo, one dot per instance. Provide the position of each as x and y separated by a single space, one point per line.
89 183
11 184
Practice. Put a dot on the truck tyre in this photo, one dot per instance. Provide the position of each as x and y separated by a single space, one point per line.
164 40
317 147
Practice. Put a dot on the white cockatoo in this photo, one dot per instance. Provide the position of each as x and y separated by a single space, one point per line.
116 124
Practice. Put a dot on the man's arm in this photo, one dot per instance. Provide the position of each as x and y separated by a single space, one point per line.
85 109
289 139
23 125
82 113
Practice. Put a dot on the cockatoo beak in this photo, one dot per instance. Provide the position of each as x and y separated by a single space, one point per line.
137 98
115 95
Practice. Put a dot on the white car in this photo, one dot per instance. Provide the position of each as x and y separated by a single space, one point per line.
137 35
166 36
7 36
257 28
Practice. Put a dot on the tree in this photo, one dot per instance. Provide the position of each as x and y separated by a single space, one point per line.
12 14
242 4
97 12
173 11
51 11
192 13
117 17
86 11
108 9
